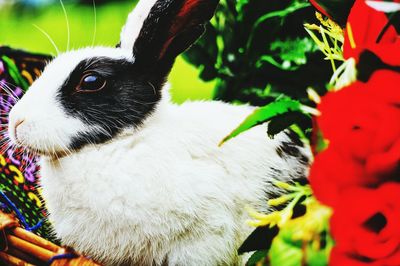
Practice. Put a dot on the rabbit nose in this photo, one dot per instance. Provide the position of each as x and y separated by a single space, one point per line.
17 124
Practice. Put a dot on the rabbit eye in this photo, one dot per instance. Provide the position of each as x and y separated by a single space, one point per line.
91 83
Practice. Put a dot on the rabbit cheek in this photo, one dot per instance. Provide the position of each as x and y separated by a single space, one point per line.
38 123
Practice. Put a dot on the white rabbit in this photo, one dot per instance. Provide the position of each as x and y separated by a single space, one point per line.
129 177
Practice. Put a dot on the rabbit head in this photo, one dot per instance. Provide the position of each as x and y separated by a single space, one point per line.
88 96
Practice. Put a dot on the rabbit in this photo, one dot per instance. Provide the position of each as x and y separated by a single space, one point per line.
130 178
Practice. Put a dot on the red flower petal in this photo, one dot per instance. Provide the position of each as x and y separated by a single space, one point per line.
364 27
365 222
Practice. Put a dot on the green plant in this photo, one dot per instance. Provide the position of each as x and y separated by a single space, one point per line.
258 50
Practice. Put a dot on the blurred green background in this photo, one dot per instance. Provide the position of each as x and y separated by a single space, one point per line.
18 28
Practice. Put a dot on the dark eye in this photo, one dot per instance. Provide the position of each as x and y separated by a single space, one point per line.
91 83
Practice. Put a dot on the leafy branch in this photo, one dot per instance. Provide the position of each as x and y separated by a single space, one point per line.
268 113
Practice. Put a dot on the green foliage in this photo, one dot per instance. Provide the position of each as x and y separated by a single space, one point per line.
258 44
258 51
285 253
257 257
302 239
292 53
284 106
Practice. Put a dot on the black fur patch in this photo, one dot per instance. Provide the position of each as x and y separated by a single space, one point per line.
303 159
126 100
294 138
155 31
287 149
292 147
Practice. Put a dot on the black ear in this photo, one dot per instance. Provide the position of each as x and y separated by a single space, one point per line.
170 27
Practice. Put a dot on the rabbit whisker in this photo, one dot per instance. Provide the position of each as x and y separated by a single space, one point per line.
6 87
95 23
7 92
48 37
154 88
11 84
67 23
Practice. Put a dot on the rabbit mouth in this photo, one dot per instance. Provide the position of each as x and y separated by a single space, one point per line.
28 141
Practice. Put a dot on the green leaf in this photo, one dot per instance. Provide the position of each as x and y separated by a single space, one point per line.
257 257
240 4
282 122
264 114
317 257
320 257
282 253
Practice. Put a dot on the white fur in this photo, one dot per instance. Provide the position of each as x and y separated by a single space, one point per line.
166 191
132 28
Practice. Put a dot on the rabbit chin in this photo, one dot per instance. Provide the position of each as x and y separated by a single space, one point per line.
40 142
52 138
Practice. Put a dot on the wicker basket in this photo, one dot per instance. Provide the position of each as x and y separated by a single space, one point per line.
18 69
20 247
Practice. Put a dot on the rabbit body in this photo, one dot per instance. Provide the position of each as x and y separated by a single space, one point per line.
167 194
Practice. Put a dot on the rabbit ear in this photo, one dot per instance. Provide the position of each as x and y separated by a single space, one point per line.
159 30
135 21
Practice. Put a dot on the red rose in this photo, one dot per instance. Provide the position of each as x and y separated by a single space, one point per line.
365 105
365 226
331 173
365 30
362 122
383 85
